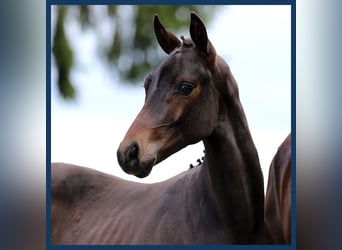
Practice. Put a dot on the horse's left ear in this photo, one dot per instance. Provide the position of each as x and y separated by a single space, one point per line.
199 35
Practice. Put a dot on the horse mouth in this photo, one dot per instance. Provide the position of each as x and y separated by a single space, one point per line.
139 170
132 163
146 170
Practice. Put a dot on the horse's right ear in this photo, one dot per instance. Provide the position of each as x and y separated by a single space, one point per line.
167 41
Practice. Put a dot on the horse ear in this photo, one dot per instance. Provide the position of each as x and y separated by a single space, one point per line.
198 34
167 41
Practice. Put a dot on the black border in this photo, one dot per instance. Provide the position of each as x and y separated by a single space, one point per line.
292 3
293 127
48 124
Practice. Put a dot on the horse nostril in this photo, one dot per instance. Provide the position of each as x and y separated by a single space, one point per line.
132 155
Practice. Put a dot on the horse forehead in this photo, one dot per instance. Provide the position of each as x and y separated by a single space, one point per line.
181 60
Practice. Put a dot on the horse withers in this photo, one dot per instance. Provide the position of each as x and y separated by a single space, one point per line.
191 96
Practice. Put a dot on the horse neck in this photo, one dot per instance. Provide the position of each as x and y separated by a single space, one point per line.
234 170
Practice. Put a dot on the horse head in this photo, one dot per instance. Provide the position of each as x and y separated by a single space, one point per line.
181 104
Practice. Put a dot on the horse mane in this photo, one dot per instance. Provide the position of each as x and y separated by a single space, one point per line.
187 42
199 161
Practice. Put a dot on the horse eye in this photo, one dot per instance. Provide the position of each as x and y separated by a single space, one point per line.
184 88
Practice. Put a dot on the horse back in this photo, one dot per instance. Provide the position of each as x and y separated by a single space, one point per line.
73 189
278 195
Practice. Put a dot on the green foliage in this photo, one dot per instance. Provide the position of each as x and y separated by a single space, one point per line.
133 50
63 56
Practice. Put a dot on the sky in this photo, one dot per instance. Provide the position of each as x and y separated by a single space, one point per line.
255 42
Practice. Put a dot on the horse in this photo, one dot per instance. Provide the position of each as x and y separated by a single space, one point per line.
278 195
191 96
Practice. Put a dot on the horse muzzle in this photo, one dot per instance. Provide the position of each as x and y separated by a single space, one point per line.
130 160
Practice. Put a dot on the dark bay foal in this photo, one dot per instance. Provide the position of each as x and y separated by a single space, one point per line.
192 96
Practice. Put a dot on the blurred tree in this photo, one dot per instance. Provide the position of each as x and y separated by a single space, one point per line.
132 51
